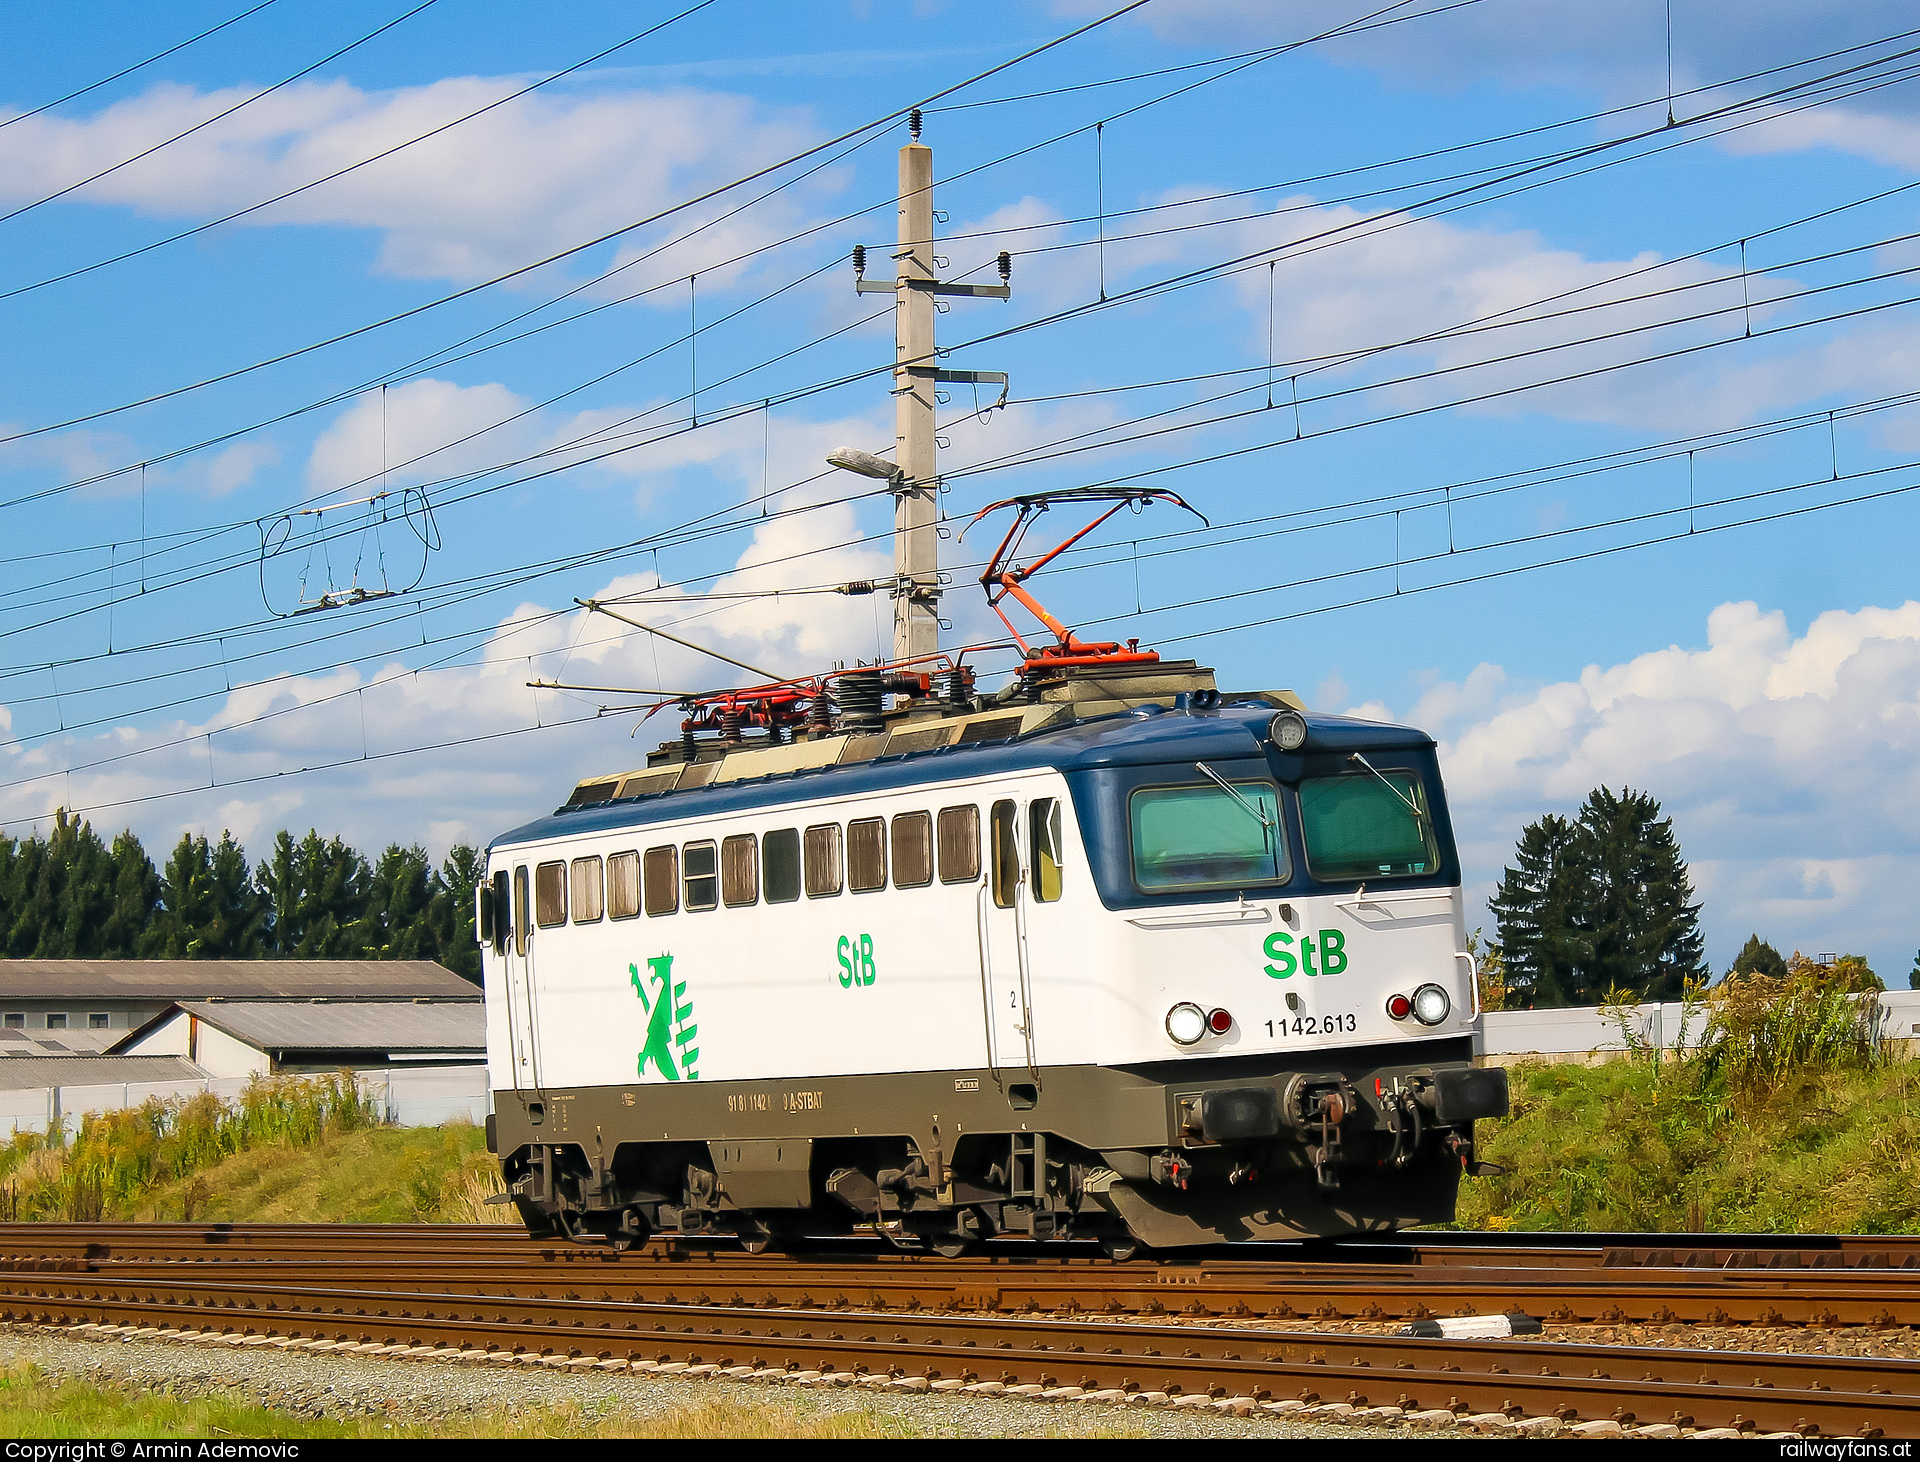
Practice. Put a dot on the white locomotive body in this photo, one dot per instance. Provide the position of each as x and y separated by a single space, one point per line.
1143 976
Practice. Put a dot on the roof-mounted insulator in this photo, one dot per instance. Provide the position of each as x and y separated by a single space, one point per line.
859 261
1006 267
858 586
913 123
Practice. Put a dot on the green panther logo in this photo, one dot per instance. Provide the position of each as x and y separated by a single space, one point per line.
669 1021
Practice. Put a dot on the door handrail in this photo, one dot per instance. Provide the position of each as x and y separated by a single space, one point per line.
1021 963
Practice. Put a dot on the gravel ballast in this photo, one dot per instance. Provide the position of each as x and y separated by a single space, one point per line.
420 1393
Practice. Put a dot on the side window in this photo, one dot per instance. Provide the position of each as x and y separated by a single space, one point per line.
587 891
703 875
739 872
867 854
912 850
1043 823
959 844
780 864
522 909
823 861
623 885
502 913
1006 854
660 876
550 894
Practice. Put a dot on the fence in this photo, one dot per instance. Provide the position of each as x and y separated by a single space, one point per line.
1581 1032
404 1096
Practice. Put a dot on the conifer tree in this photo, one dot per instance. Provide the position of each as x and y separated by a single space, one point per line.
135 901
1538 909
1644 931
1600 904
1757 957
210 908
395 925
451 910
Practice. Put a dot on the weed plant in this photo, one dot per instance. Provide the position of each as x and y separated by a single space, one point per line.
1788 1116
115 1159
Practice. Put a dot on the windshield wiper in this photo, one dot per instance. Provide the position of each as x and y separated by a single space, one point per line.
1258 814
1405 801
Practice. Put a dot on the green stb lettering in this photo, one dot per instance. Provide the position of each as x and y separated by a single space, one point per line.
1333 952
846 968
866 959
1284 963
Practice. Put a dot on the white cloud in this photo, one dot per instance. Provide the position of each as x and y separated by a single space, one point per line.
542 173
1791 767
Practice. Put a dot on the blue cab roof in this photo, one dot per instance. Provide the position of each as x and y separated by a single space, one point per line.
1146 735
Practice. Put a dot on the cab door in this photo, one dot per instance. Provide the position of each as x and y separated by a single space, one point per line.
522 1031
1007 957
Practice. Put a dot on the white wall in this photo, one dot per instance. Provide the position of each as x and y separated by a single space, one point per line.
1584 1031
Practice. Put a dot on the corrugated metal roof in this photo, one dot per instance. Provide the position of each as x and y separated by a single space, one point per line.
235 979
358 1025
24 1073
84 1042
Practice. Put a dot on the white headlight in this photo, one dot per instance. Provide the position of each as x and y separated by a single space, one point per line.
1288 730
1186 1023
1431 1005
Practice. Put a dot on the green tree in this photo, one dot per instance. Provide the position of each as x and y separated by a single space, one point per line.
210 908
1599 905
136 891
316 897
395 925
451 910
1645 931
1913 975
1757 957
1538 908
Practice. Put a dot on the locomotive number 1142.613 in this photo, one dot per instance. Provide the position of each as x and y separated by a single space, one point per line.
1313 1025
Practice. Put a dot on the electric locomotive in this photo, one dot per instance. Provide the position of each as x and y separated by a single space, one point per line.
1109 954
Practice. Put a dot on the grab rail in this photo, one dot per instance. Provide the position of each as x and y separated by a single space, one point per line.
986 977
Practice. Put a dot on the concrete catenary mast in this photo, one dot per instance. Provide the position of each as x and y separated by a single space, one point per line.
914 473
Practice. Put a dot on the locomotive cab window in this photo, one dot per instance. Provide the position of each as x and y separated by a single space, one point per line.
503 924
823 861
660 880
1204 836
1005 854
522 909
1046 857
739 871
1367 826
702 864
550 894
867 854
912 850
587 891
623 885
959 844
780 864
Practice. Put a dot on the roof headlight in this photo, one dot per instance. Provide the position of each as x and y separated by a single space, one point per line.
1186 1023
1287 730
1431 1005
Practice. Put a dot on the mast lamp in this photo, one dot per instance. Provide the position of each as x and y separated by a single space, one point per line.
852 459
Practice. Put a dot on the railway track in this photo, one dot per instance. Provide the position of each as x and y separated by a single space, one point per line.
1051 1323
1718 1282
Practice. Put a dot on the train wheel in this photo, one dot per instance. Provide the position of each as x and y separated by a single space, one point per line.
1121 1247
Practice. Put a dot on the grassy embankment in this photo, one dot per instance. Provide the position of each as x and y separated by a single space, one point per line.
34 1406
290 1150
1792 1119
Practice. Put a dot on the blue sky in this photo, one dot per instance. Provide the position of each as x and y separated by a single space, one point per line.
1544 393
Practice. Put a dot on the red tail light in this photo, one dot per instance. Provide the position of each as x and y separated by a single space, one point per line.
1220 1022
1399 1007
